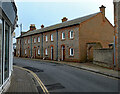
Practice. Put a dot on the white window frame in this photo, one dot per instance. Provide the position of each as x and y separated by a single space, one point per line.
25 52
38 51
25 41
46 38
46 53
28 40
34 40
62 35
71 51
38 39
18 51
51 37
71 37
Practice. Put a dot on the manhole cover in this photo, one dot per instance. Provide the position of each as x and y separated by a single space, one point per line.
54 86
34 69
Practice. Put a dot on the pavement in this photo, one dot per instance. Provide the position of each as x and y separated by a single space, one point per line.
89 67
22 82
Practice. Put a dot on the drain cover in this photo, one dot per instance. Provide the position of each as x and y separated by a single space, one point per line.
34 69
54 86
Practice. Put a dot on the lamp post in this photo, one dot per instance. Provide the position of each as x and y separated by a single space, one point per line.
20 25
20 36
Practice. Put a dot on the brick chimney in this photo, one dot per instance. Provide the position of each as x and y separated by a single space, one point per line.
64 19
42 26
32 27
102 9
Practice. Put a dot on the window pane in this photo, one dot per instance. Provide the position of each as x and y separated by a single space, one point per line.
63 35
39 51
25 51
6 66
0 49
25 41
52 37
38 39
46 38
46 51
71 34
71 51
28 41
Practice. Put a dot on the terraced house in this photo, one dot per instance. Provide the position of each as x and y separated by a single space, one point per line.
71 40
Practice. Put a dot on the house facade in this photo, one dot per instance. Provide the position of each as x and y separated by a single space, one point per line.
8 19
72 40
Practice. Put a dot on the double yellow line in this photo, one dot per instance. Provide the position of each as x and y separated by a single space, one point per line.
37 78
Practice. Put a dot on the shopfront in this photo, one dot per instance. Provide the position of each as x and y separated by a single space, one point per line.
8 19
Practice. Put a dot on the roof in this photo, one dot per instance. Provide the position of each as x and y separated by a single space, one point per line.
61 25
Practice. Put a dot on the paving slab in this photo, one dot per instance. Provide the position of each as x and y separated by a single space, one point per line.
22 82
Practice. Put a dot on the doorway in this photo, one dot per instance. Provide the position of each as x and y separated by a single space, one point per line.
90 53
51 52
34 52
63 52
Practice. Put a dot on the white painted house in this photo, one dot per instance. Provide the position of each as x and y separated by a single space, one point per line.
8 19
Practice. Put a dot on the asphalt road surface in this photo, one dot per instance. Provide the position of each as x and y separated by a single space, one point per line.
63 78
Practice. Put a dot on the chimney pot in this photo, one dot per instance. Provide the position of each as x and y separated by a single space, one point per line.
102 9
64 19
42 26
32 27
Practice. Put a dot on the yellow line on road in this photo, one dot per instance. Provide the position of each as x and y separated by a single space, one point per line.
37 78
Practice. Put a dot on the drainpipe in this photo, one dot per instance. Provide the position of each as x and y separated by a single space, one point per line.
57 46
42 47
116 31
114 53
31 46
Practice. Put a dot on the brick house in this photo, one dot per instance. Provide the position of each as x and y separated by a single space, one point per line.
72 40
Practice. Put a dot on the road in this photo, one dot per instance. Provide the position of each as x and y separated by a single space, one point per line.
63 78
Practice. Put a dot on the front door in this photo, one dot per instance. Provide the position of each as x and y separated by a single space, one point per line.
34 52
51 53
29 53
63 52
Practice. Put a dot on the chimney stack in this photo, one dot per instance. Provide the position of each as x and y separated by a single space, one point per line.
64 19
42 26
102 9
32 27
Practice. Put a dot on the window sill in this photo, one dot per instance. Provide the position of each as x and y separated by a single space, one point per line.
71 55
63 39
71 38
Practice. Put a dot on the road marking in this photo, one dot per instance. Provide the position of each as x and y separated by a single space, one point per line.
37 78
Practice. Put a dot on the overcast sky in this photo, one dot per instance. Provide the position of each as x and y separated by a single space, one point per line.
50 12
